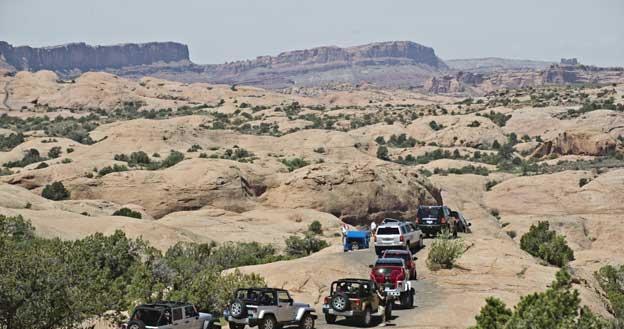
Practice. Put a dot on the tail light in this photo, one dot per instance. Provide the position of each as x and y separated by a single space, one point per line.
327 299
401 238
443 220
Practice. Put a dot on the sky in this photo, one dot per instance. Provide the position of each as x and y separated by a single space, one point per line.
228 30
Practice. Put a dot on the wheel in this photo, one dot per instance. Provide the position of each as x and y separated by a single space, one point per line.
410 301
330 318
268 323
136 325
238 309
234 325
365 320
307 322
340 302
404 299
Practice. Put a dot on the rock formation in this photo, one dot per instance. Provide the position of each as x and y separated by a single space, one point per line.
83 57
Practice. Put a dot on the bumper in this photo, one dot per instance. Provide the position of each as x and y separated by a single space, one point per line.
331 311
248 321
430 229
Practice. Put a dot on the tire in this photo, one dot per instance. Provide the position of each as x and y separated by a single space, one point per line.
340 302
268 322
404 299
307 322
136 325
366 318
410 302
238 309
234 325
330 318
421 243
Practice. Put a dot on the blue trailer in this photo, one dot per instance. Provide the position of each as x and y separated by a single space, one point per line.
356 240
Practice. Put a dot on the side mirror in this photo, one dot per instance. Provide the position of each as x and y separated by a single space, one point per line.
370 266
415 258
469 224
291 302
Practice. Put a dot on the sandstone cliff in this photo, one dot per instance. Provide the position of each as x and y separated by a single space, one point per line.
83 57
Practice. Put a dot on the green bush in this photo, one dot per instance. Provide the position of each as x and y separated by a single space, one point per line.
42 165
127 213
8 142
300 247
444 251
557 307
498 118
172 159
541 242
54 152
108 169
295 163
30 156
611 280
55 191
382 153
435 126
315 227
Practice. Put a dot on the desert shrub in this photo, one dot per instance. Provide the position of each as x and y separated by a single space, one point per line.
490 184
127 212
474 124
401 141
66 160
611 280
172 159
30 156
238 154
512 234
54 152
195 147
444 251
557 307
494 212
69 150
435 126
42 165
583 181
498 118
541 242
55 191
5 171
380 140
8 142
108 169
140 158
295 163
382 153
300 247
316 227
319 150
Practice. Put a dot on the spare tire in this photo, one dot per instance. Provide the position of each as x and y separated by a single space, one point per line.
238 309
136 324
340 302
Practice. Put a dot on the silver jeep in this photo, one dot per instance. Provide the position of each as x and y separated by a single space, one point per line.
267 308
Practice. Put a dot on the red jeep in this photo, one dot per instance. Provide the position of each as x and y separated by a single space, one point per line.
406 256
391 274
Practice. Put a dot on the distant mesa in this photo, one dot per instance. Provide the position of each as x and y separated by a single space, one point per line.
569 61
83 57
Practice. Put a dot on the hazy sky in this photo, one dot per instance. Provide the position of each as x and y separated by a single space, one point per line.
226 30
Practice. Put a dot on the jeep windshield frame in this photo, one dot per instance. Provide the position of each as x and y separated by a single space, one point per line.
352 288
257 296
152 317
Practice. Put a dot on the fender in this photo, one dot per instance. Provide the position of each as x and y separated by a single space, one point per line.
303 310
262 313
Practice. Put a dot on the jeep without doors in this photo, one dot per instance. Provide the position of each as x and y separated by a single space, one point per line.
168 315
397 235
267 308
407 258
353 299
433 219
391 273
355 240
463 225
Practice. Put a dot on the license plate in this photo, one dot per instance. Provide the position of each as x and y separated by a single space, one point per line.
429 222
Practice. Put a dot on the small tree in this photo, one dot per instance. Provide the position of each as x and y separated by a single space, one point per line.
494 315
55 191
127 212
316 227
541 242
382 153
54 152
444 251
301 247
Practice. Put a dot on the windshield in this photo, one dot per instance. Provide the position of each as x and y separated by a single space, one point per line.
388 231
256 296
352 289
426 212
404 256
149 317
389 262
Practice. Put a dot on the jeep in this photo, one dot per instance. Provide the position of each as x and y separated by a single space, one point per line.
267 308
397 235
352 298
391 274
433 219
167 315
355 240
